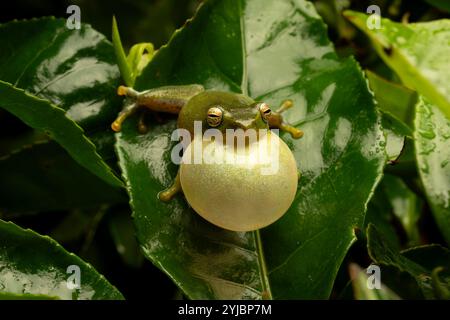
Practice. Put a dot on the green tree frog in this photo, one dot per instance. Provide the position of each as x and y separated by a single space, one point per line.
230 196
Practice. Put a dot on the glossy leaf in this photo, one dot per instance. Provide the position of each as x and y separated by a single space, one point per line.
418 52
42 115
432 143
75 69
416 262
396 133
270 54
396 104
31 180
393 98
35 264
404 165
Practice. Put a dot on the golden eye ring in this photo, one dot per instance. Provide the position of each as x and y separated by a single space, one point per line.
214 116
265 111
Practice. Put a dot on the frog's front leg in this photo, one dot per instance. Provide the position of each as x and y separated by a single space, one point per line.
276 120
128 109
169 193
169 99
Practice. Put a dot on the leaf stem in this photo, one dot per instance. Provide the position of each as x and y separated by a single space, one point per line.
266 293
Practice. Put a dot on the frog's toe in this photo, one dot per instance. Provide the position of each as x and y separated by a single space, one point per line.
296 133
142 126
166 195
116 126
122 91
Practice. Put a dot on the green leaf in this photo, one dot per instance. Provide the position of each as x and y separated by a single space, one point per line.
41 114
437 259
131 66
429 256
270 51
406 206
432 143
362 290
139 57
396 133
43 177
419 262
404 165
393 98
396 104
35 264
121 58
418 52
74 69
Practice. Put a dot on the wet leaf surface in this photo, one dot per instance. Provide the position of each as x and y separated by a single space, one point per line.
37 265
270 51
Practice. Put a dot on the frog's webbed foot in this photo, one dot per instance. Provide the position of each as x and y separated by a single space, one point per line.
168 194
276 120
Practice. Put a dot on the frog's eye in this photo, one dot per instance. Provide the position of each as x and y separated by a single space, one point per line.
214 117
265 111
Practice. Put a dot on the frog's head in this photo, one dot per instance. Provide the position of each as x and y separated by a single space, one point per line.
253 116
224 110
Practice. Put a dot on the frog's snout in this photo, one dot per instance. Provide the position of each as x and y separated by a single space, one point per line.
244 124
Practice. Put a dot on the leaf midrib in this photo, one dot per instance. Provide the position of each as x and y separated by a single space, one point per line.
266 291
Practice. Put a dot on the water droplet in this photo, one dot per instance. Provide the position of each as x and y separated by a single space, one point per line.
427 148
444 133
427 134
401 40
427 111
424 168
